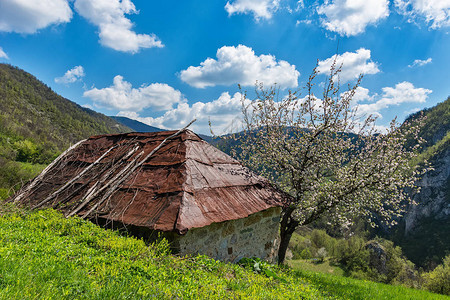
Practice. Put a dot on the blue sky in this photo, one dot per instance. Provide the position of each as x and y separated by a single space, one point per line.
166 62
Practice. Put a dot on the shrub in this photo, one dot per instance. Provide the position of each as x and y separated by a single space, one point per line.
320 239
346 249
321 254
438 280
27 151
305 254
298 245
14 174
4 193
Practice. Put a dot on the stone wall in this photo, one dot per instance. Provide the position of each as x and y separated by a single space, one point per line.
254 236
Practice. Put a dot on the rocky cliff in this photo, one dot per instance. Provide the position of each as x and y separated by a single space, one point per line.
434 198
424 231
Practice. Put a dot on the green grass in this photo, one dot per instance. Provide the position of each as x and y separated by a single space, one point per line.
14 173
330 278
34 169
326 266
432 151
45 256
348 288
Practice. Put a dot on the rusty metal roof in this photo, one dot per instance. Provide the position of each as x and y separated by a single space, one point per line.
187 183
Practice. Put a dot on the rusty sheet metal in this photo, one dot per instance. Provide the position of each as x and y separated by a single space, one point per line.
186 184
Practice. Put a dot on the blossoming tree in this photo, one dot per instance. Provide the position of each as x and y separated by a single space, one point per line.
330 159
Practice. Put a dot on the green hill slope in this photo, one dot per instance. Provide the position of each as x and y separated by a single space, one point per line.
44 255
437 123
36 124
423 232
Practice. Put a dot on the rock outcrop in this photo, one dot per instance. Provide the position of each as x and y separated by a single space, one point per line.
434 199
423 232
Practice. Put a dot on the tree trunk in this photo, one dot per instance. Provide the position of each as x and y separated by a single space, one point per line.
284 243
287 228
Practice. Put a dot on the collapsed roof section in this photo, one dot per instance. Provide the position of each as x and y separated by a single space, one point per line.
186 183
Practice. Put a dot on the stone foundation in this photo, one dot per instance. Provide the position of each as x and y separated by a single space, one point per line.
254 236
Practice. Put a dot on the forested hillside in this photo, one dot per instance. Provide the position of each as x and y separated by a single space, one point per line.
437 124
36 124
423 233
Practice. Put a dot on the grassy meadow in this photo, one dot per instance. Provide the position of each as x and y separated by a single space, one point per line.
46 256
326 266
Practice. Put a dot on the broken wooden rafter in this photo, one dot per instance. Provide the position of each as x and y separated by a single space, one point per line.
90 194
127 174
40 176
61 189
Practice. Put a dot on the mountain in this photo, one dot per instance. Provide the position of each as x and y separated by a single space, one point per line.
423 232
136 125
36 124
142 127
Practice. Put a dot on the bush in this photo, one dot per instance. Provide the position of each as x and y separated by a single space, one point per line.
347 250
4 193
308 246
305 254
14 174
399 269
300 246
377 260
27 151
321 254
438 280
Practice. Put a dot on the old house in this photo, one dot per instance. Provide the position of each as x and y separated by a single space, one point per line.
203 200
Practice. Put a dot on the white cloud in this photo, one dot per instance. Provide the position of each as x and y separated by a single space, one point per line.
361 95
436 12
403 92
223 112
353 64
87 106
306 21
72 75
122 96
420 63
3 54
28 16
351 17
240 65
115 28
300 5
261 9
